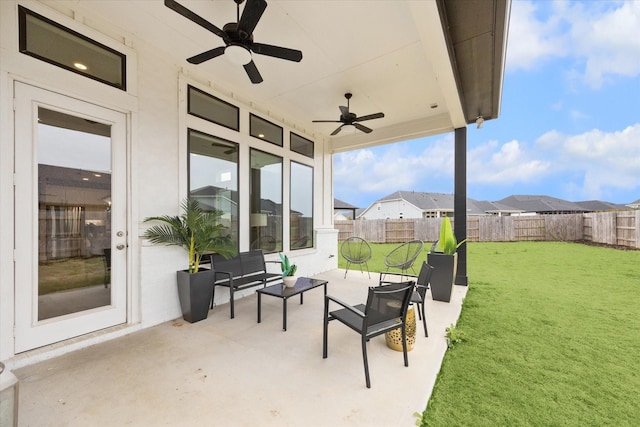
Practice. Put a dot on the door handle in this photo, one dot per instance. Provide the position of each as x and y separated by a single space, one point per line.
120 247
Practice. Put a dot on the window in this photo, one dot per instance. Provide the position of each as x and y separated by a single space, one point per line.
265 188
51 42
213 177
262 129
212 109
301 212
301 145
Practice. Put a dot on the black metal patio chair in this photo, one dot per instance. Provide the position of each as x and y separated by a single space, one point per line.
418 296
356 250
385 310
403 256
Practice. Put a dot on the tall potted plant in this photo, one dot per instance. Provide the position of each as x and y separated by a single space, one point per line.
444 260
199 232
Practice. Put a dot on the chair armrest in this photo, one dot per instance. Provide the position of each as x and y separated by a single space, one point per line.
383 274
345 305
226 273
274 262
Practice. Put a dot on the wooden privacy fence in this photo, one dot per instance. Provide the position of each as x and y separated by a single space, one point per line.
621 228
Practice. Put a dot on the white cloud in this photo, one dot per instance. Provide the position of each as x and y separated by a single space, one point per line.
531 40
602 38
601 161
401 166
506 164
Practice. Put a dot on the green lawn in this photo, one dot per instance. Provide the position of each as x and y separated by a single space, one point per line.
552 338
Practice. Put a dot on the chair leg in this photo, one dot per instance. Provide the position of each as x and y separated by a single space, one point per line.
404 344
424 319
366 362
231 300
367 264
325 329
213 296
346 269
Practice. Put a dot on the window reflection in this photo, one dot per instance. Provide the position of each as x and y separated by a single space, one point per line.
266 202
213 177
301 213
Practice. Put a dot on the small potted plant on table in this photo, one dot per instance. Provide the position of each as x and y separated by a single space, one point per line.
288 271
198 232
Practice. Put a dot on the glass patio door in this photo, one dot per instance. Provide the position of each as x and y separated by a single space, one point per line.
70 216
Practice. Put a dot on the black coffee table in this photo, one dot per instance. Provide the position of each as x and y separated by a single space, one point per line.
302 285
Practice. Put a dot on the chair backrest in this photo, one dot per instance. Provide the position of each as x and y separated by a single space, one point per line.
404 255
231 265
253 261
387 302
356 250
424 278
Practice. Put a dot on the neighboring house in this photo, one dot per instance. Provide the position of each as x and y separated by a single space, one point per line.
600 206
634 205
343 210
541 205
497 209
415 204
103 95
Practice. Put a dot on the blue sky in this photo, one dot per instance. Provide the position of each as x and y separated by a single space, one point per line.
569 125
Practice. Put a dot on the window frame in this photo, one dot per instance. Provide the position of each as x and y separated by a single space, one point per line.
237 184
311 236
216 99
23 12
267 123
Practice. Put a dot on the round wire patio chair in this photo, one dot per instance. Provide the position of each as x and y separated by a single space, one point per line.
403 257
356 250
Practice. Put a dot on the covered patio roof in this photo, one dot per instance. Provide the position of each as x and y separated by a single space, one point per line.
429 66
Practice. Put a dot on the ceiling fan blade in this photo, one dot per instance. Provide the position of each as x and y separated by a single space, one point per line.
251 14
276 51
172 4
326 121
362 128
369 117
205 56
335 132
253 73
344 110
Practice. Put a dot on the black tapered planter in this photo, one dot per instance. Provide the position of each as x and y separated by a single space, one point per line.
195 292
443 275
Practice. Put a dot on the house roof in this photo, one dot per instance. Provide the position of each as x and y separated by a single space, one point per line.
441 202
339 204
598 205
495 207
541 204
430 66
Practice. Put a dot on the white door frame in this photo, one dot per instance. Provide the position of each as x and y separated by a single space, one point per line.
29 331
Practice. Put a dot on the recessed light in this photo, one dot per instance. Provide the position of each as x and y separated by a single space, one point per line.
97 175
85 179
261 135
80 66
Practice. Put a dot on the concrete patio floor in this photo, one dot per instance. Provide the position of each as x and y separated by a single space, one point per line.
236 372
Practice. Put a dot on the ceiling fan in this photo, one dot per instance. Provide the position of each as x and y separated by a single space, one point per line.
238 38
348 118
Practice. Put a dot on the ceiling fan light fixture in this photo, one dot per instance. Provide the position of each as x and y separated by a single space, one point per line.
237 54
349 128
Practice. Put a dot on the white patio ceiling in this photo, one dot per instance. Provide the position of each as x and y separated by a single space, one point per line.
392 55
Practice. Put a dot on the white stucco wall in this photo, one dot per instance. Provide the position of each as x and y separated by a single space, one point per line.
157 168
